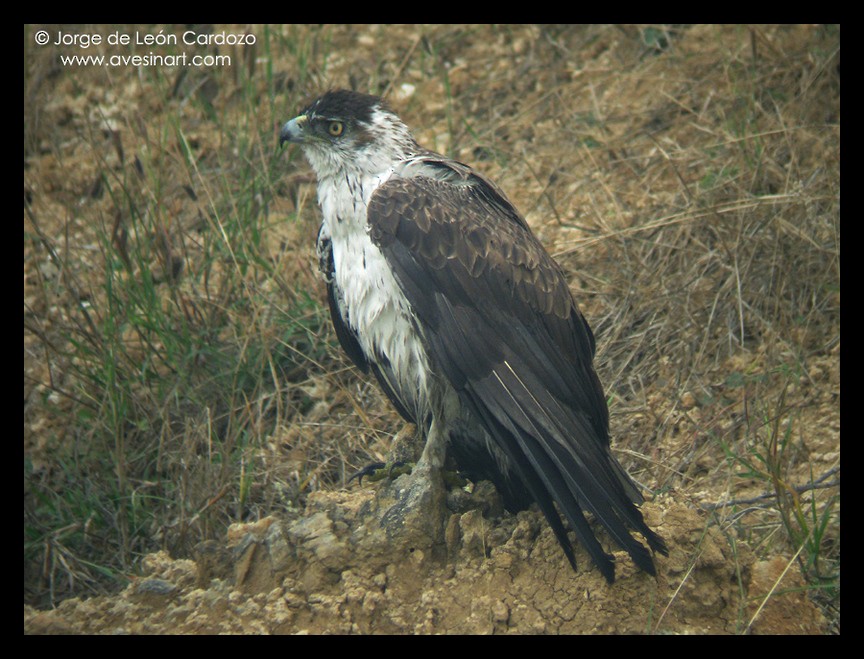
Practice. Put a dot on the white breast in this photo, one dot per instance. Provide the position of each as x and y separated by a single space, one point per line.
376 308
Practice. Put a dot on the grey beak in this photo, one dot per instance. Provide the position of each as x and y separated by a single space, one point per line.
292 131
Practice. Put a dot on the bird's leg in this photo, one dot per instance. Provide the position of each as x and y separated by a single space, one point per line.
400 461
434 454
435 450
420 509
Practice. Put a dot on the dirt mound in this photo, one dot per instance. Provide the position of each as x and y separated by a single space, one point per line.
337 569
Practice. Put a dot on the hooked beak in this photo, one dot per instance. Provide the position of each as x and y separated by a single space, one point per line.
293 131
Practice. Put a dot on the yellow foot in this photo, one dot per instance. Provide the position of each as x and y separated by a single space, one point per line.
380 470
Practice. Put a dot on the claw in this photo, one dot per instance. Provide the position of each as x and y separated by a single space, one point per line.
379 470
455 479
374 471
399 467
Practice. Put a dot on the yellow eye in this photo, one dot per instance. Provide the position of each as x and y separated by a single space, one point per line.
335 128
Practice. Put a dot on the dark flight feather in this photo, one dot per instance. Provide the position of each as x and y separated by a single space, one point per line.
500 324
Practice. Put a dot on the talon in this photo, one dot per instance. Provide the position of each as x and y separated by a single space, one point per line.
374 471
455 479
399 467
380 470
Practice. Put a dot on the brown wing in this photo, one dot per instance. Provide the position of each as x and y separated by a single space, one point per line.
499 322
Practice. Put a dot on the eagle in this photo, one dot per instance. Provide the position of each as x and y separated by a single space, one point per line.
437 285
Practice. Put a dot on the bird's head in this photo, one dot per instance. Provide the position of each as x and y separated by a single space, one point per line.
344 130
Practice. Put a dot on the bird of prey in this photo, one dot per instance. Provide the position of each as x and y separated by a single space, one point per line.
437 285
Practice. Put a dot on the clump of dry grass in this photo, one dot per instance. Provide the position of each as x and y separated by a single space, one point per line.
722 309
166 340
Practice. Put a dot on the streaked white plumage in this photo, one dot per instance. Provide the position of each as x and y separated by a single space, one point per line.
370 298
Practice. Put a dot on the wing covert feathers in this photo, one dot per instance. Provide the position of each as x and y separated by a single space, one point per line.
500 324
